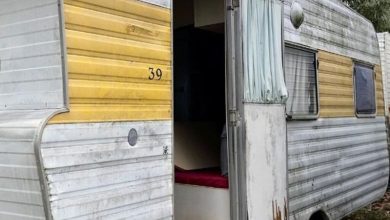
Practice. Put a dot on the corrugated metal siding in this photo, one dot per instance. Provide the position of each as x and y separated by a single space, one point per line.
384 46
380 104
162 3
335 85
93 173
111 46
30 55
337 165
331 26
20 190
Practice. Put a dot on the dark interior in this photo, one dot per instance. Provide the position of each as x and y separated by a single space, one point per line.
199 96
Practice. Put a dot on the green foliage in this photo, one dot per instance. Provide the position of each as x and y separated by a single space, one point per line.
377 11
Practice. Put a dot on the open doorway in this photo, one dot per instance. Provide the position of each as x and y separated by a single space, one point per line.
201 188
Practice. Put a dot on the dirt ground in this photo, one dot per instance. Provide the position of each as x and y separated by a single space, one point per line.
379 210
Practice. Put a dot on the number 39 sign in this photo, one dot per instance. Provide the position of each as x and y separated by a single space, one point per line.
155 74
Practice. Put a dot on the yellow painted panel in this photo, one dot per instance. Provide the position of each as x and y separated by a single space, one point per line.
113 25
110 45
114 90
98 67
380 106
335 59
332 90
339 101
340 80
334 68
126 8
98 113
335 84
113 50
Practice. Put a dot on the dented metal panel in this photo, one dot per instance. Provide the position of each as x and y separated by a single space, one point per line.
30 55
336 165
119 61
93 172
20 188
331 26
384 46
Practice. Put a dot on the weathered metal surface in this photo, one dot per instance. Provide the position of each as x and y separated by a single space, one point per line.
266 161
119 61
331 26
93 172
384 46
379 91
30 55
162 3
20 189
336 165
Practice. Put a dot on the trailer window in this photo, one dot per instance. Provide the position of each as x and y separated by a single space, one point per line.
301 80
364 90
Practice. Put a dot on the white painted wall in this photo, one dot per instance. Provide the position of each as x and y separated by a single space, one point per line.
201 203
266 157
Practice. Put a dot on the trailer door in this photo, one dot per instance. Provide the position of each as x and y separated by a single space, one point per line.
237 179
256 96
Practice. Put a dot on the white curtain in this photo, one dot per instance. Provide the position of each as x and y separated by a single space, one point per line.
262 51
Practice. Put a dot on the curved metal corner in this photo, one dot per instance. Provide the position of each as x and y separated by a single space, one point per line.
38 155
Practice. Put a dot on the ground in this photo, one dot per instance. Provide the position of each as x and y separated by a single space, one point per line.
379 210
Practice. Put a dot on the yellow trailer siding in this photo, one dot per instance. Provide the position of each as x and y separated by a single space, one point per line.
335 85
336 89
119 61
380 104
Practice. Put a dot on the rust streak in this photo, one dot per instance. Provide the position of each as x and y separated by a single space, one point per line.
277 212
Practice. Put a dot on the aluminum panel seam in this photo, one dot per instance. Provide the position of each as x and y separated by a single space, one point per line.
329 162
100 167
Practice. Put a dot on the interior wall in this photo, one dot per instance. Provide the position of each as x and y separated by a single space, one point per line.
183 13
199 84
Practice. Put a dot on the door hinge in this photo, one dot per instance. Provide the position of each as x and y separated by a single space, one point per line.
234 118
234 4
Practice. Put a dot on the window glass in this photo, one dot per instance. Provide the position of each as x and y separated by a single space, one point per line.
301 80
364 90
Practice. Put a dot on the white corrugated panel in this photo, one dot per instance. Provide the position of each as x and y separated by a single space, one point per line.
30 55
384 46
162 3
20 190
331 26
93 172
336 165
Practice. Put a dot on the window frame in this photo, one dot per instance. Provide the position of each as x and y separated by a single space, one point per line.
371 66
316 63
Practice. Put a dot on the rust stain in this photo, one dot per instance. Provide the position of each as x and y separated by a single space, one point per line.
277 212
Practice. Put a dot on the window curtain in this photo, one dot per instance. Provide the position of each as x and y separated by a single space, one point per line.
262 51
301 82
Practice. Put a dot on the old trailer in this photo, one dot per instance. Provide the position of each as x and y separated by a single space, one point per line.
384 46
196 109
